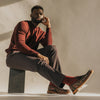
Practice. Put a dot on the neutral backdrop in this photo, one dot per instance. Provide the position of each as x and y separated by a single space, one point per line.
75 31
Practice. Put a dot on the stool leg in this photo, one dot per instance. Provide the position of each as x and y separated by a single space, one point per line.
16 81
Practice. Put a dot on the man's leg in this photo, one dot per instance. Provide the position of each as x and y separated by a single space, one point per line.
51 52
24 62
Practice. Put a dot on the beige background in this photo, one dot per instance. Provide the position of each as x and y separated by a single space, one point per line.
76 34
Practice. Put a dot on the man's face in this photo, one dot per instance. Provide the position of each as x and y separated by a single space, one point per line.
37 15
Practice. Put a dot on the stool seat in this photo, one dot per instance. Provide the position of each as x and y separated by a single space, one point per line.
16 81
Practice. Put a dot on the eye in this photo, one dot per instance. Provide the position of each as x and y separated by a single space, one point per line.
41 13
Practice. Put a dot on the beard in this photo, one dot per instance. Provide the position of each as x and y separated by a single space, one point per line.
36 21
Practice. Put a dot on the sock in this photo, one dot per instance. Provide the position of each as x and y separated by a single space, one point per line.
69 80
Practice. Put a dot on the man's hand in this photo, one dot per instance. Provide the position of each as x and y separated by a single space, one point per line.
44 58
46 22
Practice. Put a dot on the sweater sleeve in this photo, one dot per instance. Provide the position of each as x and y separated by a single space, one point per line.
19 36
47 37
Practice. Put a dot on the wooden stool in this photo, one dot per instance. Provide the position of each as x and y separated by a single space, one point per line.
16 81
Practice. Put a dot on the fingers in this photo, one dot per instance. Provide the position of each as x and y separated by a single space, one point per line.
47 61
44 20
44 58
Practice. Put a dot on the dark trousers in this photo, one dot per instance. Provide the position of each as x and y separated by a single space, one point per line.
52 72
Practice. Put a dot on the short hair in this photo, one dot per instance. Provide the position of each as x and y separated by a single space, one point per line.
36 7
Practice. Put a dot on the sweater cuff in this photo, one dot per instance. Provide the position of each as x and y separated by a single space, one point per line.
48 29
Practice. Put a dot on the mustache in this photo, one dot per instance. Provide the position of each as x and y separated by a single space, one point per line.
37 21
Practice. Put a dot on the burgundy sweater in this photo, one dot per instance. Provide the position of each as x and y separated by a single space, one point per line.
26 38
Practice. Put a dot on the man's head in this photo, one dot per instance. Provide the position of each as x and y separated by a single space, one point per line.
37 13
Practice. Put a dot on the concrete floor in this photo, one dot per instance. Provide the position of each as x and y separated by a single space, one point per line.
27 96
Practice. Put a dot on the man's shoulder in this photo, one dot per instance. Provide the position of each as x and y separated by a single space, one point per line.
22 25
24 22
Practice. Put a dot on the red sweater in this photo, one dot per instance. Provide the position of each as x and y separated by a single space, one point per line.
26 38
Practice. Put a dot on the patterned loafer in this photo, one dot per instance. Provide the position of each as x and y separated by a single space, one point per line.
57 90
75 86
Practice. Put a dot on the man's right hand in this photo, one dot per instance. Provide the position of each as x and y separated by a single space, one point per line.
44 58
47 22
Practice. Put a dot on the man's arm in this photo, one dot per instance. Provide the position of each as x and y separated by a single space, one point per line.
19 37
47 38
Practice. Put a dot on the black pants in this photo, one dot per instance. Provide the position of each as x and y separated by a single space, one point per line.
52 72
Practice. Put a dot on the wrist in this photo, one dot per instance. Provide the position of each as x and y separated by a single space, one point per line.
49 26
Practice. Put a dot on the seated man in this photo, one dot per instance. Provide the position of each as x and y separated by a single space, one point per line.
23 53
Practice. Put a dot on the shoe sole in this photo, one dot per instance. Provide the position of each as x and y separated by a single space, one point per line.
53 92
76 90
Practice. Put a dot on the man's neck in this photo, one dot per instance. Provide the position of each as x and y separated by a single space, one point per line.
35 24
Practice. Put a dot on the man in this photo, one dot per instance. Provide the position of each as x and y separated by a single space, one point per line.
23 53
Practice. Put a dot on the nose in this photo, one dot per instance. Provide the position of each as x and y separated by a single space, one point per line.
38 15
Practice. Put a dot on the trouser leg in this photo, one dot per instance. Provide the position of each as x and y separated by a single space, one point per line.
51 52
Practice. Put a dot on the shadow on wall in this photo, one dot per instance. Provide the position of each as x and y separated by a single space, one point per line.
7 2
5 36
